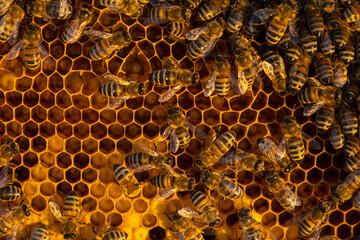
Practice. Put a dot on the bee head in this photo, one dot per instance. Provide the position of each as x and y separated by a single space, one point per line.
204 176
138 13
26 209
195 78
142 89
87 7
244 212
289 119
325 205
214 223
173 110
126 36
20 4
15 147
199 164
189 5
338 95
169 159
221 22
259 165
271 176
186 13
70 235
288 168
191 184
33 27
260 141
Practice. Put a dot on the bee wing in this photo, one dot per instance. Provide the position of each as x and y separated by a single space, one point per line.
4 176
281 150
181 236
114 78
316 233
210 85
163 194
143 168
147 150
63 5
188 213
242 82
195 33
207 47
15 50
198 132
14 35
115 102
340 72
265 13
43 52
293 32
174 142
166 133
313 143
314 82
269 70
75 27
153 22
294 198
282 66
2 22
170 63
313 108
14 232
236 85
170 93
298 219
96 35
55 210
5 8
210 138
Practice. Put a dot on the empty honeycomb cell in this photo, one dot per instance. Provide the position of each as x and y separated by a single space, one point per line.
47 159
72 175
40 83
13 129
245 145
202 102
89 204
64 130
304 190
107 145
114 190
63 99
133 131
106 205
106 175
220 103
72 145
81 189
156 64
56 83
38 203
99 101
184 161
308 162
137 66
56 174
336 217
331 175
241 102
297 176
327 231
268 219
73 115
22 114
50 67
134 103
23 84
149 220
346 205
31 98
97 190
81 63
98 67
352 217
108 19
194 147
284 218
73 50
97 219
90 116
14 99
30 159
276 206
89 175
47 129
38 144
151 131
47 189
22 173
323 161
47 99
253 191
159 116
266 115
98 131
146 48
6 113
162 49
321 190
98 160
140 206
63 188
107 116
81 130
63 160
92 83
244 177
38 114
64 65
226 206
153 33
123 205
90 146
248 116
114 219
73 82
212 117
142 116
114 65
232 219
261 205
149 191
81 160
260 101
80 101
314 176
178 50
256 131
48 34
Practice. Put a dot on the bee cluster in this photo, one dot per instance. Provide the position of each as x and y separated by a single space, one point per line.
75 119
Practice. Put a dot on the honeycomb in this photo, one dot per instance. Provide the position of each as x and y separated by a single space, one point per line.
70 141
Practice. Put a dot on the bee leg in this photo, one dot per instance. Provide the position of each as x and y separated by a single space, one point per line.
9 206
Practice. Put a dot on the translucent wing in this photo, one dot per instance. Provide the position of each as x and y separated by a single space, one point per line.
146 149
15 50
62 7
295 198
314 82
236 84
243 83
188 213
195 33
281 65
154 22
76 28
198 132
293 32
142 168
181 236
207 47
170 63
97 34
174 142
14 232
2 22
313 143
55 210
114 78
166 133
313 108
340 73
232 155
316 233
170 93
4 213
265 13
115 102
43 52
4 176
210 138
163 194
269 70
14 35
281 149
210 85
5 8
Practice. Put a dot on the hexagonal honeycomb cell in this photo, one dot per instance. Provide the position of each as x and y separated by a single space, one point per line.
70 140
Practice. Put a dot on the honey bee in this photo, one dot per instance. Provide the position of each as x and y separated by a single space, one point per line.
210 9
8 151
341 35
298 73
318 95
328 6
50 9
351 12
176 29
323 68
131 8
8 192
235 20
315 20
333 19
340 71
148 159
119 90
33 49
215 148
223 185
169 184
327 44
337 138
347 53
202 204
11 221
109 42
204 38
221 78
292 53
4 6
293 137
324 119
75 28
278 25
167 13
307 40
258 19
352 91
40 233
276 154
274 67
286 197
185 229
10 22
311 221
347 188
106 234
127 181
357 200
353 163
251 229
240 160
178 129
351 147
349 121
